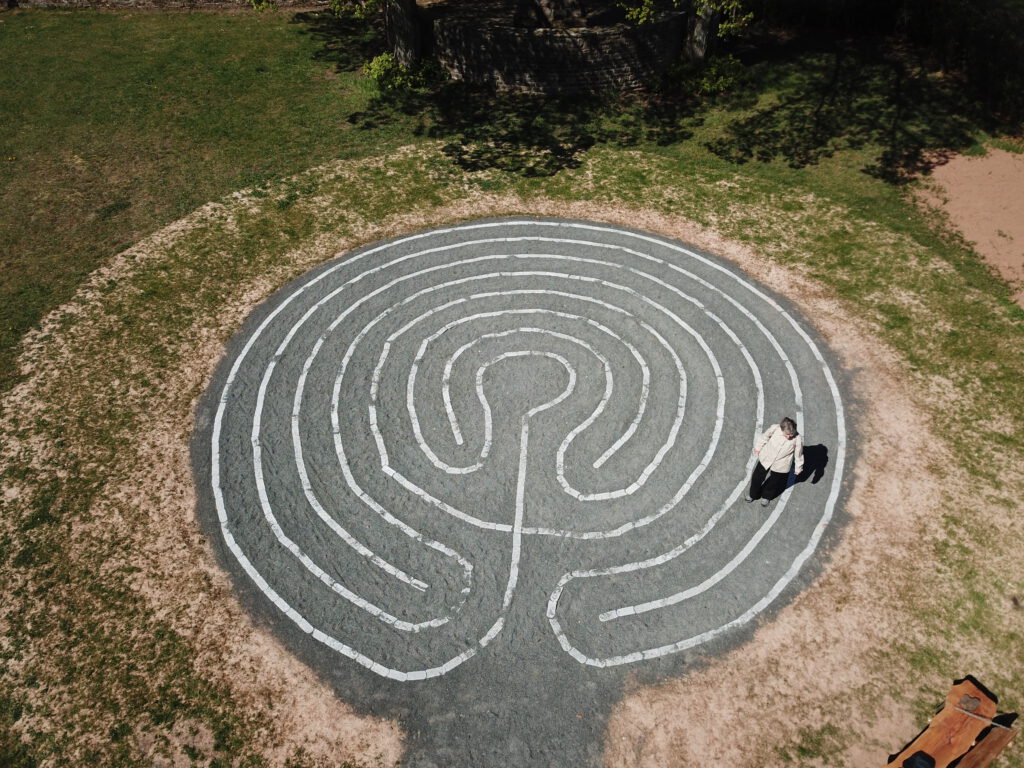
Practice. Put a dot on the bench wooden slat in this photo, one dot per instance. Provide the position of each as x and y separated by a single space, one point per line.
951 733
988 749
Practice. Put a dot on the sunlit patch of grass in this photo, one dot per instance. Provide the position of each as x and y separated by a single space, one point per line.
813 746
121 123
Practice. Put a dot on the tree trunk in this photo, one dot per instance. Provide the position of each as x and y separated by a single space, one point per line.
561 13
702 34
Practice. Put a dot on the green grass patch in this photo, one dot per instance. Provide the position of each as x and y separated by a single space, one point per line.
119 123
814 746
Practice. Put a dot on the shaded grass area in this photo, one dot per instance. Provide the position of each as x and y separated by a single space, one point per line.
850 94
798 100
121 131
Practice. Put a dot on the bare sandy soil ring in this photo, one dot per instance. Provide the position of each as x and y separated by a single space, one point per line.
845 671
505 461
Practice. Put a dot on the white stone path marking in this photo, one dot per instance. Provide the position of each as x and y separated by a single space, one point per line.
609 381
453 359
485 449
460 514
517 529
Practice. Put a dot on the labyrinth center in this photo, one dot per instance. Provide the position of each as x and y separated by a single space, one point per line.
514 438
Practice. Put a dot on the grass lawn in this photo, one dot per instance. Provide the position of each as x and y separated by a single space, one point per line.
116 124
120 123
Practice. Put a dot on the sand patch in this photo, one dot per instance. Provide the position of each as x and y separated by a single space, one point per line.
984 198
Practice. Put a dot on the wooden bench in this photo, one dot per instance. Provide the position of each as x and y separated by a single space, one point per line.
964 728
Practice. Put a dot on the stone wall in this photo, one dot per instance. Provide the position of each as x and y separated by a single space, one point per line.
152 4
509 45
553 60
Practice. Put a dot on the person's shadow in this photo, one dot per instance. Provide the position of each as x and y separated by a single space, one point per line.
815 461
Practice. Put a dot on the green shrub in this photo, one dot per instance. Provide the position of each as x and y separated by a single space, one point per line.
718 75
388 73
713 76
391 75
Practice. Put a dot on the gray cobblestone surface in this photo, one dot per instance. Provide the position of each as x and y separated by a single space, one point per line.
480 475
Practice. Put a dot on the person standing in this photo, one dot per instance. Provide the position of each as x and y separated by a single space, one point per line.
776 450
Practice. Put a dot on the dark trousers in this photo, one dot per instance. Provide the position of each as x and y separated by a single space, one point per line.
765 483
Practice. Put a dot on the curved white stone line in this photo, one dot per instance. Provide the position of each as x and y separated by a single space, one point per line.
715 578
711 522
289 544
215 469
763 531
645 473
560 473
331 295
645 373
681 294
672 554
738 279
236 550
645 370
399 477
308 563
484 403
524 440
450 363
741 556
797 563
517 533
419 294
840 417
724 326
686 594
677 422
307 489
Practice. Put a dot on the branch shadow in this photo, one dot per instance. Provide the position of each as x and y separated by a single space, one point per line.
799 99
527 134
530 135
849 94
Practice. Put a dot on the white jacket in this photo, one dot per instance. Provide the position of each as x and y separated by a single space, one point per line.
776 452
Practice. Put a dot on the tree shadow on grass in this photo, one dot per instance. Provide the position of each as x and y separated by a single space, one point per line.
849 95
528 134
347 41
519 133
800 99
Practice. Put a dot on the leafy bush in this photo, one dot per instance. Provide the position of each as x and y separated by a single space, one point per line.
360 9
729 18
388 73
716 75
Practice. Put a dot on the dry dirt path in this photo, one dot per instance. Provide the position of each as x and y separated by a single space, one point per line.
984 198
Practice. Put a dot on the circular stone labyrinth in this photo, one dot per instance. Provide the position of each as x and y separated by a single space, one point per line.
515 444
